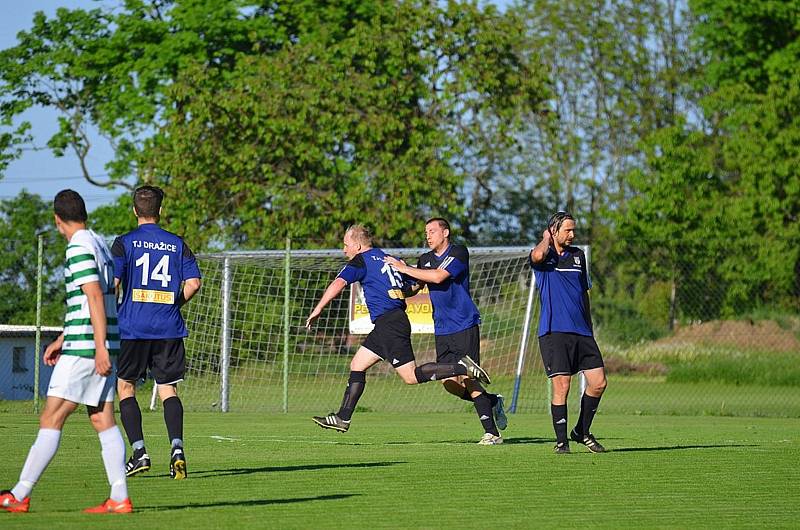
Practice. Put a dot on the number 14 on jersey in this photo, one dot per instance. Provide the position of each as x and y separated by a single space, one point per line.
160 271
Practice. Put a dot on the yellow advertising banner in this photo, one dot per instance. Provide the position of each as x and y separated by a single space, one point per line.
418 309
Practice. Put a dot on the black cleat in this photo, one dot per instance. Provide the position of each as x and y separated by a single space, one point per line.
177 464
474 371
332 421
589 441
561 448
139 462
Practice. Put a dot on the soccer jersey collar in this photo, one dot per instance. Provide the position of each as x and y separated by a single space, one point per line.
446 251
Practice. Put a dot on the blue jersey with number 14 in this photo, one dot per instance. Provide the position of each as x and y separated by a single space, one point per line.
151 265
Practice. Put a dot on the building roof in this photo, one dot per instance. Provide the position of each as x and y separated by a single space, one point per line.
7 330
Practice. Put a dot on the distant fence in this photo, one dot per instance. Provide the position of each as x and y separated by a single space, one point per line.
680 338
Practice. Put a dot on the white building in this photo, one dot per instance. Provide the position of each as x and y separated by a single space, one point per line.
17 358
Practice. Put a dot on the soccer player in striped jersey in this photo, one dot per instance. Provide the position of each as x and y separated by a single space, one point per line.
84 356
566 335
390 340
456 320
157 273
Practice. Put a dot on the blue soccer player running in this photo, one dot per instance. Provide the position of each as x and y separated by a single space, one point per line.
157 273
456 320
566 337
390 340
83 356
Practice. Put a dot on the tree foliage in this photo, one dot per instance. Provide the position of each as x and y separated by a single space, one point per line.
376 126
22 219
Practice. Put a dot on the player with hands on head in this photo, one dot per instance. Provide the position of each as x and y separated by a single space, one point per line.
456 320
566 335
83 356
390 340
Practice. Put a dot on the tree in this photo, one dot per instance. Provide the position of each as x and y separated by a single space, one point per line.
728 185
366 128
618 70
400 100
106 70
22 219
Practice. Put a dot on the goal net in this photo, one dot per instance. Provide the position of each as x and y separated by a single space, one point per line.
241 355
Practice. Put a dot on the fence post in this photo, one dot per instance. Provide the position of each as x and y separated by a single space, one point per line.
523 344
286 292
225 346
38 341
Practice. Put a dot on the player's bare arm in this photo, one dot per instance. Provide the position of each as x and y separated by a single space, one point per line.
332 291
97 314
190 288
425 275
539 252
53 351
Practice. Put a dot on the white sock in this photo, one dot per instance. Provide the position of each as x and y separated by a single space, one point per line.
113 450
42 452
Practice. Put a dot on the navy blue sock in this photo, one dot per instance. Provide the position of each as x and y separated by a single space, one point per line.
433 371
589 406
173 417
355 387
131 416
483 406
559 413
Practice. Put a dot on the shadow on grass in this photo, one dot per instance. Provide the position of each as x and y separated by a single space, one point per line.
208 473
472 441
675 448
253 502
528 440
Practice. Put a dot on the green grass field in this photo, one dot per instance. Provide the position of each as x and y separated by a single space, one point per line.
425 471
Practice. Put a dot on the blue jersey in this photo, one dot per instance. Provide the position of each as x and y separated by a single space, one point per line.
151 265
382 284
453 308
563 282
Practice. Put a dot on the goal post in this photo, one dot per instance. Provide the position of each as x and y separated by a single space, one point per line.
248 348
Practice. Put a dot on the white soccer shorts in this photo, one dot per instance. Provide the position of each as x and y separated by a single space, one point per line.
74 379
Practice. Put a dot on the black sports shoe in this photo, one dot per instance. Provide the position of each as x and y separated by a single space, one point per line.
561 448
589 441
332 421
139 462
177 464
474 371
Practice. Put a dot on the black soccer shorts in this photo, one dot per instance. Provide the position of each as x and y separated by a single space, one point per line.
569 353
391 338
165 358
453 347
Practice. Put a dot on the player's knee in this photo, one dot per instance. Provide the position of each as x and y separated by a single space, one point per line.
125 389
598 387
101 421
53 419
560 386
167 391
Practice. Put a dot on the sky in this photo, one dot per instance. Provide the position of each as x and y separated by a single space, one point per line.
39 171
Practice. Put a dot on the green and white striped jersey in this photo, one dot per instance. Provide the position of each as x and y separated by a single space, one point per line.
88 260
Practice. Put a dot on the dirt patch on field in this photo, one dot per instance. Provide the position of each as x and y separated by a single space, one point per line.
764 335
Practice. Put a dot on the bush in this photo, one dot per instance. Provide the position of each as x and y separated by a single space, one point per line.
621 323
